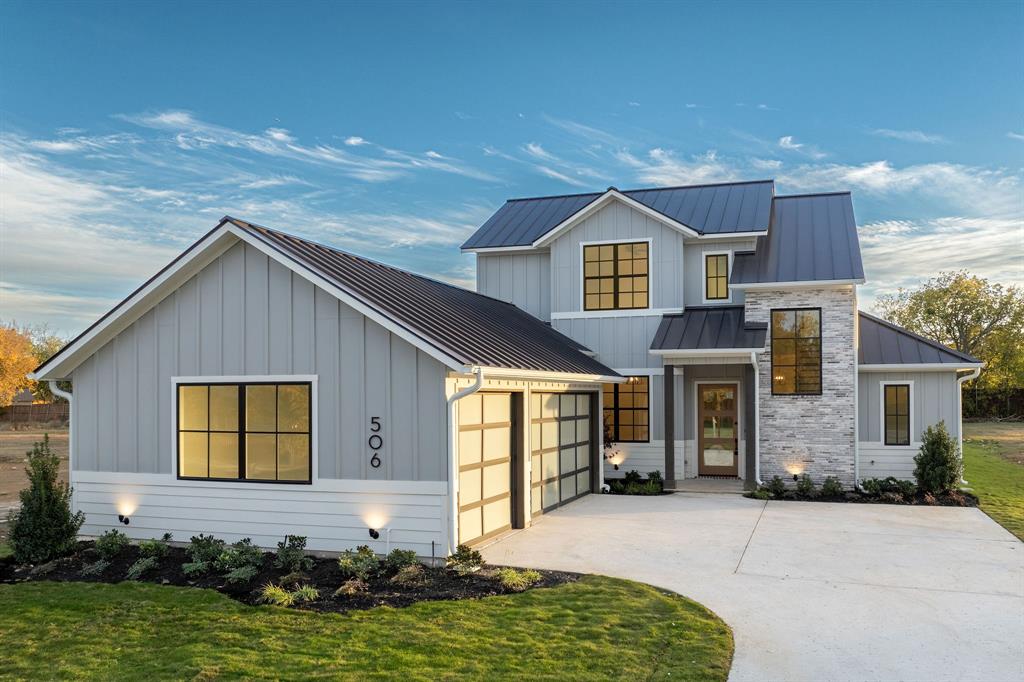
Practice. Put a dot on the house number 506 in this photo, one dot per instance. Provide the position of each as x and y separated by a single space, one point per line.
376 442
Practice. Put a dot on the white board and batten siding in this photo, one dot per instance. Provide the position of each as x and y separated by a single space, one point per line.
933 399
245 315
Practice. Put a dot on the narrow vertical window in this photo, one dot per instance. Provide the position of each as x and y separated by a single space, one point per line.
716 277
897 414
796 351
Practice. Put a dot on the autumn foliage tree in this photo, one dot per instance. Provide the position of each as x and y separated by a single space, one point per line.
16 360
970 314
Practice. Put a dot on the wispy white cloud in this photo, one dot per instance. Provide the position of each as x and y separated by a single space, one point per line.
634 104
662 167
538 152
355 141
1015 136
789 143
910 136
765 107
552 173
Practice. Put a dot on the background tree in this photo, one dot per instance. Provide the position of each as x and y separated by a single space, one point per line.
16 360
44 344
970 314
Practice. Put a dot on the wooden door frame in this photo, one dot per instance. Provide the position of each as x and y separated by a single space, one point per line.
699 426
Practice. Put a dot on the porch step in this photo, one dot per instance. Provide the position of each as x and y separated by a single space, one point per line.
705 485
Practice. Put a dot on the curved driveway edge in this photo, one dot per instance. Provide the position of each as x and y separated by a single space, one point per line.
812 591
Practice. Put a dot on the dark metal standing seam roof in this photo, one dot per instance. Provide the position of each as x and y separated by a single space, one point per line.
709 209
471 328
812 238
883 343
709 328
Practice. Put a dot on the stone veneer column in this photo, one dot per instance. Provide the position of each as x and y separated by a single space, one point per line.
812 434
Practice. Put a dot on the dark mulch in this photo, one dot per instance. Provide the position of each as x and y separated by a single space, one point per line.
438 582
950 499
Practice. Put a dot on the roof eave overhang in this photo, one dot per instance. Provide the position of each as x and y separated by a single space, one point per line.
599 203
698 352
500 249
800 284
543 375
733 235
921 367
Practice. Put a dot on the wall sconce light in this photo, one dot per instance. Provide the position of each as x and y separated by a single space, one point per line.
123 519
374 533
796 477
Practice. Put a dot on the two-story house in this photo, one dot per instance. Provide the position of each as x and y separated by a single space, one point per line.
262 384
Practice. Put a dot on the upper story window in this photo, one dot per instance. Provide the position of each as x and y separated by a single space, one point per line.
896 410
245 432
615 276
716 277
627 410
796 351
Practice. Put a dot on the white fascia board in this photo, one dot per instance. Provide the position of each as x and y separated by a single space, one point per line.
599 203
630 312
921 367
732 235
802 284
440 354
539 375
496 250
198 256
697 352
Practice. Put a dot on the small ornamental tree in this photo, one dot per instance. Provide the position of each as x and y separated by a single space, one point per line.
938 466
44 527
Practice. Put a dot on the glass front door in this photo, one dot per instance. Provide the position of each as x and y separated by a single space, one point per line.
718 431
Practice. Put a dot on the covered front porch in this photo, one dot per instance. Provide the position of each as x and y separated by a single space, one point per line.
710 363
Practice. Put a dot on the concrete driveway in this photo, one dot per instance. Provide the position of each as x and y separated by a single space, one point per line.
812 591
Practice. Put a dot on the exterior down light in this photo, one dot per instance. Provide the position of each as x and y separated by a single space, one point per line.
123 519
374 533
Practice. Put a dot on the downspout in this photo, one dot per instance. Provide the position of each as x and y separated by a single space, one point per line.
453 461
57 391
757 423
960 414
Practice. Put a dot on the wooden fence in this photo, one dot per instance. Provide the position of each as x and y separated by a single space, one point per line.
35 412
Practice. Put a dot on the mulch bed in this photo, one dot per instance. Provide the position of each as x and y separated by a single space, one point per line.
950 499
438 583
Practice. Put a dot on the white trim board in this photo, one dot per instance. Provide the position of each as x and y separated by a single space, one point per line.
802 284
881 410
921 367
632 312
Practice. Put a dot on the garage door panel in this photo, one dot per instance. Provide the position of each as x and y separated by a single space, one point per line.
470 447
567 488
583 456
549 405
470 487
560 449
583 404
485 451
550 494
549 435
567 461
582 481
471 410
567 405
497 515
582 430
497 409
497 443
470 525
549 465
496 480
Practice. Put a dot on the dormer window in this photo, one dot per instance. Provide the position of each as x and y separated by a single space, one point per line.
716 277
615 276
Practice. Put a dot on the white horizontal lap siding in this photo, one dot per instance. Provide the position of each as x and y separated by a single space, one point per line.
334 517
882 461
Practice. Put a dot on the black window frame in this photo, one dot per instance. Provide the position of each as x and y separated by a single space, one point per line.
896 414
241 431
796 356
707 277
615 409
616 276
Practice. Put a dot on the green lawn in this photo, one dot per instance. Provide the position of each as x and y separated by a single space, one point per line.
596 628
5 550
997 481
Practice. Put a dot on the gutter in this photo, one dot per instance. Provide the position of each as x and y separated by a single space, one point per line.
757 422
960 414
57 391
453 460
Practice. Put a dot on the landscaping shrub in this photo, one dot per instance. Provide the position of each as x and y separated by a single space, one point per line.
938 467
879 486
656 477
359 564
240 562
831 487
761 494
890 497
399 559
616 487
632 476
513 580
43 528
141 567
305 593
110 544
645 488
351 587
466 560
291 554
94 569
203 550
805 486
410 575
276 595
155 548
776 486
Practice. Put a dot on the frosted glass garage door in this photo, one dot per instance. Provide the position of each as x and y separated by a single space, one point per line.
560 449
485 466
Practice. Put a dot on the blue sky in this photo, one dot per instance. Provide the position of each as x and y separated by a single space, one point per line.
393 130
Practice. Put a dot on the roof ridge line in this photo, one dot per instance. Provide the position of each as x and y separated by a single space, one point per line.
812 194
644 189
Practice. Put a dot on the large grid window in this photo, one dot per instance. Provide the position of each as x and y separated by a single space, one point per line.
627 410
245 432
796 351
716 277
897 414
615 276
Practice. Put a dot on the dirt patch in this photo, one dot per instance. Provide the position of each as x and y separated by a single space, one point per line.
13 446
437 583
1008 435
